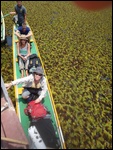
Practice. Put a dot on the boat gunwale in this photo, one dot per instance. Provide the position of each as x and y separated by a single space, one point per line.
49 90
3 26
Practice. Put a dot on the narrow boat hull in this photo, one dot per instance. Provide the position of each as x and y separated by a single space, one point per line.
48 100
2 28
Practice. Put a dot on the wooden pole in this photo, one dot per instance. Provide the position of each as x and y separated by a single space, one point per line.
13 141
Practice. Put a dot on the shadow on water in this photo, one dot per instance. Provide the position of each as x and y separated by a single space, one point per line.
9 40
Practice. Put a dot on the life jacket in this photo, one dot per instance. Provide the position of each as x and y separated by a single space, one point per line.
38 86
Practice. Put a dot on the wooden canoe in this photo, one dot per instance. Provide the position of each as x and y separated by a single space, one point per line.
48 100
2 28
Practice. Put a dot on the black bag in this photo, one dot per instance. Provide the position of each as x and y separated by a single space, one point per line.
33 90
47 132
34 62
34 93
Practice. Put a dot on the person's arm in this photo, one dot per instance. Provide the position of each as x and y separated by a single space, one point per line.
25 18
43 92
8 85
29 34
12 13
22 80
19 81
18 49
24 14
28 47
17 33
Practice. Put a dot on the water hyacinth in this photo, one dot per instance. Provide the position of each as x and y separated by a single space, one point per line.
76 49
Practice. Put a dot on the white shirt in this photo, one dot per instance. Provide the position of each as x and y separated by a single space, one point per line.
29 80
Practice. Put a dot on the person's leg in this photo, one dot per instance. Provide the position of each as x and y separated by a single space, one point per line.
27 73
29 38
26 66
25 94
22 73
39 92
21 66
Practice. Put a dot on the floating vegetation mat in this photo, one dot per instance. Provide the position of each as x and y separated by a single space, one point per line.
76 49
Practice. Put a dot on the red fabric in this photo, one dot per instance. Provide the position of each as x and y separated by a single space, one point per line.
35 110
93 5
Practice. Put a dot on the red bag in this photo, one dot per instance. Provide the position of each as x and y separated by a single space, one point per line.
35 110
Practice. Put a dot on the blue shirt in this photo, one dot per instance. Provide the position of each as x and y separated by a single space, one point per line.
21 11
23 32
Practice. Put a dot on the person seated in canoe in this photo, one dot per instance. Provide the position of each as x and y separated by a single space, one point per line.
35 85
23 48
23 30
20 13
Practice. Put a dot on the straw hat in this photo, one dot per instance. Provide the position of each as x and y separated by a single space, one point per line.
23 37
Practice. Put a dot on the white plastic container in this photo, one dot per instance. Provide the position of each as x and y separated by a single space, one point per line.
35 140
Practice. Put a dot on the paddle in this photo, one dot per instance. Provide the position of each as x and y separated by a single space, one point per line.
5 16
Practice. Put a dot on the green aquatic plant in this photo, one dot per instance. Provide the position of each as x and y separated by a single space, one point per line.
76 50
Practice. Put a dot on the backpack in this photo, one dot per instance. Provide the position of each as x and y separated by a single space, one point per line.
35 110
34 62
